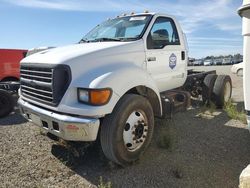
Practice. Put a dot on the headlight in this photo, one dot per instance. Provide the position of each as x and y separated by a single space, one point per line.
83 95
95 97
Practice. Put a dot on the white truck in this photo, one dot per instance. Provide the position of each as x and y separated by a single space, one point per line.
121 75
244 12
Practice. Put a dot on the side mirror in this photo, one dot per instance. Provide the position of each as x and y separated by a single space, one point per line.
244 11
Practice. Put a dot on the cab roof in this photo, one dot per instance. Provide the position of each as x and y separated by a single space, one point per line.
145 14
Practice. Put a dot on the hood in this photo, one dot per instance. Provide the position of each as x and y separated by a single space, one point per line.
62 54
36 50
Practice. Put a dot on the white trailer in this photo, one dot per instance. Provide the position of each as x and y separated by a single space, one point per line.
244 12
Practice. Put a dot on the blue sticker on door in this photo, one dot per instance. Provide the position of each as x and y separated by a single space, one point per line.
172 61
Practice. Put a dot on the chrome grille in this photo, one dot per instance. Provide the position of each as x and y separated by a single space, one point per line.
37 82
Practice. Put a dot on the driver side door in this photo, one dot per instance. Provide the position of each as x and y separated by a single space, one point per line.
164 54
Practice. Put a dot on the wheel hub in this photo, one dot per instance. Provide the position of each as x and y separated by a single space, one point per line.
135 130
139 131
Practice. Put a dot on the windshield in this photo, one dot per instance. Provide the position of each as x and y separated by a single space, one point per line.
119 29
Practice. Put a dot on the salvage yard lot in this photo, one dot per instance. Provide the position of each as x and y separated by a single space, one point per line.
194 152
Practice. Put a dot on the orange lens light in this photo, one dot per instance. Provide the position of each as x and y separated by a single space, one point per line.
100 97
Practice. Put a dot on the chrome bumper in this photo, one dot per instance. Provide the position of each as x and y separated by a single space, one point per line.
64 126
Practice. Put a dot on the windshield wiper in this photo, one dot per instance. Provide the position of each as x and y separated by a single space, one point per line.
103 39
127 38
106 39
83 40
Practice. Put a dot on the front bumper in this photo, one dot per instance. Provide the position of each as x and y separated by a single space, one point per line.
64 126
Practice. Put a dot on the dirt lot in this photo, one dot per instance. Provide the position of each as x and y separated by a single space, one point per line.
201 153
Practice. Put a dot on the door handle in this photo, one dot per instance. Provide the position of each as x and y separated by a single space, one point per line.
151 59
183 55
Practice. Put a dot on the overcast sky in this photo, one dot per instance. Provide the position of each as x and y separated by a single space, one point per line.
212 26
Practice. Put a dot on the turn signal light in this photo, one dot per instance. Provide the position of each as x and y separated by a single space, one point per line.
100 97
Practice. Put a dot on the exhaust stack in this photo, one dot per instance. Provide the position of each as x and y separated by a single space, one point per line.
244 12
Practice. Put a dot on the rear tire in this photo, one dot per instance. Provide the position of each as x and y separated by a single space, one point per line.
222 91
207 89
131 121
6 103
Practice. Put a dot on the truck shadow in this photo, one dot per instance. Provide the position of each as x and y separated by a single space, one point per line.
201 153
13 118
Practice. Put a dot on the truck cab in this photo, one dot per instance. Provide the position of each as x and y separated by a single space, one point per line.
122 74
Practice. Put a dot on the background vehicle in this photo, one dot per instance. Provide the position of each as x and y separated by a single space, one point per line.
10 63
191 61
217 62
237 58
244 12
238 69
227 61
121 75
198 62
208 62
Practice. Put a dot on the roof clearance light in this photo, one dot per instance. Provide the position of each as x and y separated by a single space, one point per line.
146 11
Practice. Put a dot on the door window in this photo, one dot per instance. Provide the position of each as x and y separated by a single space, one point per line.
162 33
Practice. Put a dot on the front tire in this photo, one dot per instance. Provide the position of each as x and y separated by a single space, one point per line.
127 132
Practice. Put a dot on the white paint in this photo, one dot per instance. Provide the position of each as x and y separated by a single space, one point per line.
117 65
246 55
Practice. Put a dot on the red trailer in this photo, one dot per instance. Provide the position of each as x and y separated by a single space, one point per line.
10 64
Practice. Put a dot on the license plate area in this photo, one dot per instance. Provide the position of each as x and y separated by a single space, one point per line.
36 119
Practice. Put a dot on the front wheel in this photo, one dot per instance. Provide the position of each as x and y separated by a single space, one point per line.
127 132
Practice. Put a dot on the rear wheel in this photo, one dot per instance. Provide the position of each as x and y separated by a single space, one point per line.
222 91
127 132
207 89
6 103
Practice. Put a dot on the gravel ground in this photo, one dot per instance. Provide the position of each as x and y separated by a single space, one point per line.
202 152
